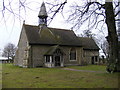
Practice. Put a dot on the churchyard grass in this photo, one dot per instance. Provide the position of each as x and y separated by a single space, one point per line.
16 77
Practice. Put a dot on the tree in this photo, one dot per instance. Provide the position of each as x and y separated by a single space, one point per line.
95 12
88 33
114 63
9 51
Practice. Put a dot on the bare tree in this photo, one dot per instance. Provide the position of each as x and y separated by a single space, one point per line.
88 33
96 12
114 63
9 51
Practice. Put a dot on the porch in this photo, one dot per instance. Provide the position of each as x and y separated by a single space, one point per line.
54 57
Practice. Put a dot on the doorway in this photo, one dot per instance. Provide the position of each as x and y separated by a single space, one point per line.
57 61
92 61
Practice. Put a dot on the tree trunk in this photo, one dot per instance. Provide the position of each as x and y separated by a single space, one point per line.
113 63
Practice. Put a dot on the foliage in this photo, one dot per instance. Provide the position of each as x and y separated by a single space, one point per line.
16 77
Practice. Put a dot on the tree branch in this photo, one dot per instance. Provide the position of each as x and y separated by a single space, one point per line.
60 7
117 13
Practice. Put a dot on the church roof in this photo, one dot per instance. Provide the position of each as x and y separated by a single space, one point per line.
51 36
42 12
55 36
88 43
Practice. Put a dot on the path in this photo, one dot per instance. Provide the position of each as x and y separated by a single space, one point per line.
82 70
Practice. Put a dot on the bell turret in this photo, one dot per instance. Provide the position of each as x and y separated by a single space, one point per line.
43 15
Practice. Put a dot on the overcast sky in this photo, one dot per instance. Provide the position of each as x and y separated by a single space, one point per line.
10 25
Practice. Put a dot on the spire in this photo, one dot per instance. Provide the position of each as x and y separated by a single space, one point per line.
42 15
42 12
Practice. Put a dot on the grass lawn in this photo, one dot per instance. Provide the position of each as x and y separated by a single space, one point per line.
16 77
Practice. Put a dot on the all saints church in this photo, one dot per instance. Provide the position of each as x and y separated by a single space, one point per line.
42 46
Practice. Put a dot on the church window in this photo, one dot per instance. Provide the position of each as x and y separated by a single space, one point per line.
73 54
47 58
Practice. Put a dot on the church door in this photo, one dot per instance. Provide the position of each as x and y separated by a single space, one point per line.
57 61
92 60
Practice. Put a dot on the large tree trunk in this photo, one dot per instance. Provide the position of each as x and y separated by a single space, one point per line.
113 63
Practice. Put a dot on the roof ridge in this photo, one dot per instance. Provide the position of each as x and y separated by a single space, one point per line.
49 27
60 29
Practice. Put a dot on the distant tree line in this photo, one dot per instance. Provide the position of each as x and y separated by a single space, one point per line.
9 52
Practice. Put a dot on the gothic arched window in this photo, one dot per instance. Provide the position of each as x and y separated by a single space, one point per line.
72 54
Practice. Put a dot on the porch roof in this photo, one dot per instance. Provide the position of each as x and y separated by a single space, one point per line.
53 49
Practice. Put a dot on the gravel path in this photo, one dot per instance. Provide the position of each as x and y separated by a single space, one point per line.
82 70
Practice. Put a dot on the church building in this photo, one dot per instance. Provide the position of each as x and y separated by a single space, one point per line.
43 46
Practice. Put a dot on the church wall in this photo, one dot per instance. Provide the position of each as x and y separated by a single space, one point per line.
38 52
88 54
66 57
83 56
20 54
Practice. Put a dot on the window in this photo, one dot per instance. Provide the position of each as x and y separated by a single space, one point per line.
73 54
84 53
47 58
